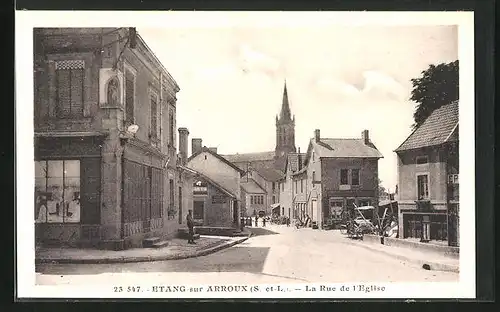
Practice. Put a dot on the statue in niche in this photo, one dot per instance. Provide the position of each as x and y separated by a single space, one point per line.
113 94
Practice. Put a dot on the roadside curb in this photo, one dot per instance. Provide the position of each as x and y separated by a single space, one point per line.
186 255
434 266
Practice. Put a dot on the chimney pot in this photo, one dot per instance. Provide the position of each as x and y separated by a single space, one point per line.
183 144
365 135
317 135
213 149
196 145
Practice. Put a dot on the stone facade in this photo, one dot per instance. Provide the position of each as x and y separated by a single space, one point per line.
97 66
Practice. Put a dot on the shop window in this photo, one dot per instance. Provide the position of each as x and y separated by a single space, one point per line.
336 208
344 177
251 200
355 177
57 191
69 84
423 187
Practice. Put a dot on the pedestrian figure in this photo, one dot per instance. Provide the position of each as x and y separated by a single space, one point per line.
263 222
190 224
256 221
288 221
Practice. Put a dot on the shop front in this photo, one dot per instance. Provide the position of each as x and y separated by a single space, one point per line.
67 189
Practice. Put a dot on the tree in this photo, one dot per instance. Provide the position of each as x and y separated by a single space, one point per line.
437 86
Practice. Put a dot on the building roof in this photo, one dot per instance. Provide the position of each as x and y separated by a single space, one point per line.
435 130
252 187
221 158
208 180
268 173
250 157
347 148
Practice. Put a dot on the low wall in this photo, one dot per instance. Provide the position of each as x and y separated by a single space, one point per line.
449 251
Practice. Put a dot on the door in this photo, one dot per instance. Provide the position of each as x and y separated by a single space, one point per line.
314 207
198 210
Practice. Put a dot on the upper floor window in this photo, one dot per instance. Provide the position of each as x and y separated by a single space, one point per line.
421 160
355 177
274 199
296 186
422 186
129 96
153 100
344 176
282 186
251 200
314 176
313 156
171 127
69 84
273 186
302 185
453 179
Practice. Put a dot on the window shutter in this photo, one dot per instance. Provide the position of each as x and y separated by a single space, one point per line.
63 93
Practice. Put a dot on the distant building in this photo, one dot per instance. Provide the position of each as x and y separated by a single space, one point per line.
428 170
335 175
105 139
254 198
221 205
270 166
290 205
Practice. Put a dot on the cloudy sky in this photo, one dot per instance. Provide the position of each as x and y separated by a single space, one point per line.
340 79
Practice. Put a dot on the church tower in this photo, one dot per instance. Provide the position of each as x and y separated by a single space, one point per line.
285 129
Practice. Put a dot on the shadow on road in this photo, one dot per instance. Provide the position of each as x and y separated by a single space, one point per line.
240 259
258 231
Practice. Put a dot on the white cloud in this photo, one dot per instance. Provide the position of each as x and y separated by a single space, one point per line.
252 60
379 83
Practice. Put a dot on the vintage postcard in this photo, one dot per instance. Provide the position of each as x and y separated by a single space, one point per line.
245 154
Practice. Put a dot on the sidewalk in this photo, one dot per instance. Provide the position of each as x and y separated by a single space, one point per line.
177 249
430 260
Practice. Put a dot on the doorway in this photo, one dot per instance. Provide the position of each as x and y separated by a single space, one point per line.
198 210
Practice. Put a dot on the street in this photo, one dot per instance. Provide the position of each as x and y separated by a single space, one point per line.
274 254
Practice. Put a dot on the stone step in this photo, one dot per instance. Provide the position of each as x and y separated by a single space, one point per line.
160 244
150 241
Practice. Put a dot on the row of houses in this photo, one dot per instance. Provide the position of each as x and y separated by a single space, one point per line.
108 172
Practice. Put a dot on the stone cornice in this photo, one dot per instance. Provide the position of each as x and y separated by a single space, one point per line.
151 58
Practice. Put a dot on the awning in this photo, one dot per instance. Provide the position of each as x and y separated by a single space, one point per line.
275 205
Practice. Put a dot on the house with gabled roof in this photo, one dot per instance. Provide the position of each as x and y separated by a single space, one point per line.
253 198
428 169
224 176
336 174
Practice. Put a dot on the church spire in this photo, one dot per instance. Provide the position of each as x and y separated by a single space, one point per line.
285 107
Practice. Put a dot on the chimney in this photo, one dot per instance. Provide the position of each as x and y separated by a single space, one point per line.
213 149
365 136
183 144
195 146
316 135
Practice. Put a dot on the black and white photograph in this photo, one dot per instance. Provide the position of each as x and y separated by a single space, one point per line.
245 154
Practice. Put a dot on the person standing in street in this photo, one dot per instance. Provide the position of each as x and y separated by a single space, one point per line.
256 221
190 225
288 221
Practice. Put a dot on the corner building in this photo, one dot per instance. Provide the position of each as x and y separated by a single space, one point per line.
105 141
